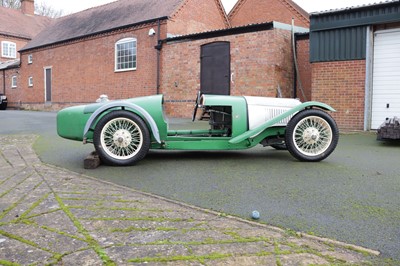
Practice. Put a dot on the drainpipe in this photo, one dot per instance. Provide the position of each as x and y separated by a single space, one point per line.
297 78
294 67
158 47
368 78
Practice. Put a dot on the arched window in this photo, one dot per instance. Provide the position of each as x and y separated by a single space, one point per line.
8 49
125 54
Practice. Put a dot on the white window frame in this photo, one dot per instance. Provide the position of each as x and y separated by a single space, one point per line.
30 82
13 82
8 49
30 59
118 64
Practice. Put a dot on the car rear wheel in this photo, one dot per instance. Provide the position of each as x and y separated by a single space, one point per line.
311 135
121 138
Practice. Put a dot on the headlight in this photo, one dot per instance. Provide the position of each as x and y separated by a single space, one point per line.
3 97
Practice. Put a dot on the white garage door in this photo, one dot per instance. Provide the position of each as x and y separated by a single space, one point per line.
386 77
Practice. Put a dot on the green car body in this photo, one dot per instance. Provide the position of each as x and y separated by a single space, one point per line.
229 124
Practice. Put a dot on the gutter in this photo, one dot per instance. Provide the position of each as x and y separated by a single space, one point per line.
221 32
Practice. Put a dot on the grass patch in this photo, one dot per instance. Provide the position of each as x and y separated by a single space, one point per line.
25 241
151 219
8 263
15 204
128 229
61 233
129 201
89 239
199 258
33 206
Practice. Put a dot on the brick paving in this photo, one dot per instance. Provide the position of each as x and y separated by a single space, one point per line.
52 216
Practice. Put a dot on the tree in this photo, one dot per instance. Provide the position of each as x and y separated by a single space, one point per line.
40 8
45 10
11 3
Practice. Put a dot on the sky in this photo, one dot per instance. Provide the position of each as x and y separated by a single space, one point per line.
71 6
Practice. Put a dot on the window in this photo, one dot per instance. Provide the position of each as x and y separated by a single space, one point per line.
125 54
30 59
13 81
30 81
8 49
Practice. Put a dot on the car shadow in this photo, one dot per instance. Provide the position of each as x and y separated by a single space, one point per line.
259 154
395 143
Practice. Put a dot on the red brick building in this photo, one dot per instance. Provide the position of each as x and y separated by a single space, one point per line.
63 56
17 28
109 50
130 48
355 56
259 63
258 11
143 47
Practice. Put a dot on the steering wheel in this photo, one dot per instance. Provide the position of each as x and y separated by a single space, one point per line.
196 106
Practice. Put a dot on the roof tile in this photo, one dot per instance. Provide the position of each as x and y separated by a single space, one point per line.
103 18
14 23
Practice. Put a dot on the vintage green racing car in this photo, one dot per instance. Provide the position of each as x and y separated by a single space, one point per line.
123 131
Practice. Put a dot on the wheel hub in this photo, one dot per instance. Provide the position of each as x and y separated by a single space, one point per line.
122 138
310 135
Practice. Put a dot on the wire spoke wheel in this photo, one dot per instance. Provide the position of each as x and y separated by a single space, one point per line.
312 135
121 138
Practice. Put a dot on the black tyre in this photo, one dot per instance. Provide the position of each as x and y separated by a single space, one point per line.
311 135
121 138
3 106
279 147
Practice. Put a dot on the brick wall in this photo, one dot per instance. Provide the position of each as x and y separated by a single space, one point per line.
304 77
197 16
28 7
256 11
260 62
341 84
5 82
84 69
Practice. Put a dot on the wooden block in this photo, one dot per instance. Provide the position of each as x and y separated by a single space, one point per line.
92 161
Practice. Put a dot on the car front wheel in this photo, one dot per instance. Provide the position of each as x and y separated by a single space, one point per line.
311 135
121 138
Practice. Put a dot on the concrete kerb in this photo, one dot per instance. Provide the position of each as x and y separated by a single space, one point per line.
279 246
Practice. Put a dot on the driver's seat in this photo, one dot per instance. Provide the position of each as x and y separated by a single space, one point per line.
205 115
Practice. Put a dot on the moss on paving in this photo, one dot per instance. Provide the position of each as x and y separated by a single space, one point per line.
89 239
275 247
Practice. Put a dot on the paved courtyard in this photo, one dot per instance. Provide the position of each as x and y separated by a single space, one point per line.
50 215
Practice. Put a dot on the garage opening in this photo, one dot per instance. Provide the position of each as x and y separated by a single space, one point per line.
386 78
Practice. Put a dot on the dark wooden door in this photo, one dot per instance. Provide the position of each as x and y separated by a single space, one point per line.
215 68
48 84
